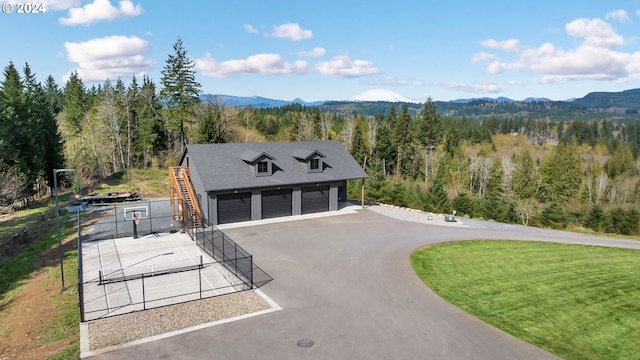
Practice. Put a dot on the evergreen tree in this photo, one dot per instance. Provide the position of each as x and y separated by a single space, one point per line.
523 178
47 144
554 216
207 126
561 174
452 138
429 131
53 94
595 218
151 135
75 103
384 148
462 204
15 130
377 183
621 162
402 137
437 198
179 92
359 149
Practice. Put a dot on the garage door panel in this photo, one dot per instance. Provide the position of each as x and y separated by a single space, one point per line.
234 207
315 199
276 203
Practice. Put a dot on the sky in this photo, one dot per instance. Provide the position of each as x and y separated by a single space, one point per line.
337 49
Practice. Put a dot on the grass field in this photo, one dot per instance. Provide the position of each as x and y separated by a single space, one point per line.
578 302
38 259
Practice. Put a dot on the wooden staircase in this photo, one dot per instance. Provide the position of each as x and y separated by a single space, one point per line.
187 209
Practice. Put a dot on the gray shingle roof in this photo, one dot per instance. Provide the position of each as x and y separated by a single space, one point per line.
221 166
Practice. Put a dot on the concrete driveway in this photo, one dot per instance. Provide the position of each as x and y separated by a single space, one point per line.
346 283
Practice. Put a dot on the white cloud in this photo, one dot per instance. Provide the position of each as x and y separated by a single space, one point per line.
57 5
291 31
394 81
476 88
506 45
585 62
250 29
594 32
100 10
265 64
620 15
316 52
345 67
593 59
110 57
482 56
497 67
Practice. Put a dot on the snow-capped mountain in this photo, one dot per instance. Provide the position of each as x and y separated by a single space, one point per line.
382 95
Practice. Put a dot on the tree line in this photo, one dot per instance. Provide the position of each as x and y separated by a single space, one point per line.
514 169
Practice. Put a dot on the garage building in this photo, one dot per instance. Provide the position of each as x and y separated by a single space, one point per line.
253 181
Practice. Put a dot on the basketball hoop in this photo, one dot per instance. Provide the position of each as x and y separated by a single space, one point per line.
136 219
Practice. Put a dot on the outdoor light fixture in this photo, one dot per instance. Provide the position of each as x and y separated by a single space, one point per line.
55 186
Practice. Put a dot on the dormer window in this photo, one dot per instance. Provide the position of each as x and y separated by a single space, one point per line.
312 159
261 162
315 165
263 168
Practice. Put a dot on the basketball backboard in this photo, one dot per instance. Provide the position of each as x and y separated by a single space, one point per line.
142 213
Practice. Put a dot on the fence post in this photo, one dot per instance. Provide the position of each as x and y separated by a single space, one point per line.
115 214
80 280
235 255
251 271
149 216
144 303
200 276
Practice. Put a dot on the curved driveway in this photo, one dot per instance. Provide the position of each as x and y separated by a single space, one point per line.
346 283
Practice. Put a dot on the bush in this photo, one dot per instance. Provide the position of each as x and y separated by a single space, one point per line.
619 221
463 205
595 219
554 216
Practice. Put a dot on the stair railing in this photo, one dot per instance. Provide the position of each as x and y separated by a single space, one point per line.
174 184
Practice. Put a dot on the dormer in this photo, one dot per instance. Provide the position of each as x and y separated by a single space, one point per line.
261 161
312 159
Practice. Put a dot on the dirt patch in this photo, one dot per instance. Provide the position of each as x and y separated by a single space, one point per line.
25 321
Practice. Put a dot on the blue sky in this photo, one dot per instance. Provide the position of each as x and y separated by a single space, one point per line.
334 50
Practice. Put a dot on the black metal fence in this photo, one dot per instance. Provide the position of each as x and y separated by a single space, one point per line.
144 290
108 221
232 256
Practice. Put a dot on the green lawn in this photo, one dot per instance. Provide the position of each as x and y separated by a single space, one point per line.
578 302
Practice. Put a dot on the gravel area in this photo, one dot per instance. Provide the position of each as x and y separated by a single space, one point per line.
412 215
139 325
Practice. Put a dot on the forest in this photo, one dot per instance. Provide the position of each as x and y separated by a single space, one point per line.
536 171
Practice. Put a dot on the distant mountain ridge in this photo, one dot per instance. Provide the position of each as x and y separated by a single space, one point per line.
255 101
623 105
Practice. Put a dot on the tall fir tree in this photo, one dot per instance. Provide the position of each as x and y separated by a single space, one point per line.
151 135
75 103
402 137
429 131
384 148
524 179
561 174
207 125
15 127
179 92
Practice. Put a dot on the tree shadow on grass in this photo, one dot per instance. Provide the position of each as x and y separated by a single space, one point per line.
116 178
